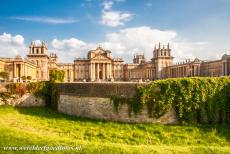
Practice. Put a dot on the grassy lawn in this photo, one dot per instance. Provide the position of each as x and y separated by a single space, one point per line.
44 127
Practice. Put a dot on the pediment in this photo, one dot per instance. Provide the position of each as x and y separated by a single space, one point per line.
101 57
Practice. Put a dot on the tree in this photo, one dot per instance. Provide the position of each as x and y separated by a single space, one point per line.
29 77
4 75
24 78
56 75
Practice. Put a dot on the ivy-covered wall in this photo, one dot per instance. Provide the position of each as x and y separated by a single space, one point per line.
195 100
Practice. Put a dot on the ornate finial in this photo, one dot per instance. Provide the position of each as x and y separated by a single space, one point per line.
159 45
168 45
43 44
32 43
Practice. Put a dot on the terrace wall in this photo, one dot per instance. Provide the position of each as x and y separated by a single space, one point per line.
92 100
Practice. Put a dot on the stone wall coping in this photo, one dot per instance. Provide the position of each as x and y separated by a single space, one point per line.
94 89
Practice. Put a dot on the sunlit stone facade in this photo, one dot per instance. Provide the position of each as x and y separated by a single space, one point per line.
99 66
161 66
18 67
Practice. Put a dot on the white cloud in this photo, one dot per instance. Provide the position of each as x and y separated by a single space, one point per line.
49 20
10 45
107 5
69 49
115 18
123 43
126 42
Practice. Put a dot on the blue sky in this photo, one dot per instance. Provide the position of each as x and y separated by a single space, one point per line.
194 28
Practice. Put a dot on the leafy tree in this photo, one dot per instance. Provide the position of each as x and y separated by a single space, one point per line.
29 77
56 75
4 75
24 78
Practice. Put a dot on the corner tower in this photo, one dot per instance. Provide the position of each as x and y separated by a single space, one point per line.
161 60
38 54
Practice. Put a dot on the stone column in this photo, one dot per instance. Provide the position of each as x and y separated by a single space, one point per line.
107 71
90 72
103 71
93 71
109 75
14 74
21 73
110 71
97 70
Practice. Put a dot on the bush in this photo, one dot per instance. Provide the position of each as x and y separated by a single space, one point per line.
48 90
24 78
56 75
4 75
195 100
29 77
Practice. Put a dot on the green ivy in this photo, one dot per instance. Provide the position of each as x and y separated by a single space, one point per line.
195 100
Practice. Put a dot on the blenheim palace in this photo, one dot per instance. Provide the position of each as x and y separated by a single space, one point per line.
101 66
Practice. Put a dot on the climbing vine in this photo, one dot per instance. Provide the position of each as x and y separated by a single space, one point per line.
195 100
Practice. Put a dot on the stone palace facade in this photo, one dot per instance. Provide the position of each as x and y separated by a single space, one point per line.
100 66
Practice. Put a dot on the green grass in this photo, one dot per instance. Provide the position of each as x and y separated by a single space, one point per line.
42 126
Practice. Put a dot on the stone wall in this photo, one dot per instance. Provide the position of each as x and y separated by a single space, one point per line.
92 100
27 100
106 89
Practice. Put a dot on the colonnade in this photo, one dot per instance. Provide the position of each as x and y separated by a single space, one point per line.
100 71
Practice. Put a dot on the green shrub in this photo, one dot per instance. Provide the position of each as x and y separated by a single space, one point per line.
56 75
48 90
195 100
29 77
24 78
4 75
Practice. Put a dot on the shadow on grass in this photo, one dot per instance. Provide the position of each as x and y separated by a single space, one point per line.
45 112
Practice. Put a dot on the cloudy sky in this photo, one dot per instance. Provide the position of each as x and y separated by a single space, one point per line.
194 28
